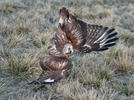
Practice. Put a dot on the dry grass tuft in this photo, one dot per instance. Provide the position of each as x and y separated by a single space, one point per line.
127 89
19 66
26 27
124 62
121 58
128 38
76 91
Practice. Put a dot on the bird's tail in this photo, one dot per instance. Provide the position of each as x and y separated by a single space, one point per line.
107 39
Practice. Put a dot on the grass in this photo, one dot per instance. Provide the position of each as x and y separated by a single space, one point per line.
127 89
124 63
26 28
127 38
121 59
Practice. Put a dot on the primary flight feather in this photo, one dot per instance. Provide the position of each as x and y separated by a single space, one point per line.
86 37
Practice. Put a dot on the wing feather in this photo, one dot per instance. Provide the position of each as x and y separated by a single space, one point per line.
53 63
57 44
99 38
86 37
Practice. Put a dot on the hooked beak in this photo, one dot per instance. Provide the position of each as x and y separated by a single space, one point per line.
69 54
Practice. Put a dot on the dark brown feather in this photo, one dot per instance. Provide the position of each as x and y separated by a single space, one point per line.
54 68
86 37
54 63
57 44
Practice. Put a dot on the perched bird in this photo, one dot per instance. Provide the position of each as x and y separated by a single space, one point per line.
55 64
86 37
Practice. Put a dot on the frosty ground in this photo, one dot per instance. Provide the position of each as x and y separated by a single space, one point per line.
26 27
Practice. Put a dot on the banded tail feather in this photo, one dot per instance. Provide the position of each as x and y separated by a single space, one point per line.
107 40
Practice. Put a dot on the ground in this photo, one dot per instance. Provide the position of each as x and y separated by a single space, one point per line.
26 27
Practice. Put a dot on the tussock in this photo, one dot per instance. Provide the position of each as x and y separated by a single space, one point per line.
26 27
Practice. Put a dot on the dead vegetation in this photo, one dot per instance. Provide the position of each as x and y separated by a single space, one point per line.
26 28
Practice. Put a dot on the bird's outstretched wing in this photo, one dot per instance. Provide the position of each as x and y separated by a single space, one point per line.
86 37
68 24
98 38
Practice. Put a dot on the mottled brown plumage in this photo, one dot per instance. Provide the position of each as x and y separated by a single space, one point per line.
55 64
60 45
72 34
86 37
54 68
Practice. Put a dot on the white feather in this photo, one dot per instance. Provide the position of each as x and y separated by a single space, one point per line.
100 37
101 45
104 42
49 80
105 39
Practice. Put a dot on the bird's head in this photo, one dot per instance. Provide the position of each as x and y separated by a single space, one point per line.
68 50
66 20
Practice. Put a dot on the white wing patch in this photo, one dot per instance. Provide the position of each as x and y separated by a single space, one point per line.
49 80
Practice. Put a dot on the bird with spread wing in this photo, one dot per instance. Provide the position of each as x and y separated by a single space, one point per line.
86 37
72 34
55 64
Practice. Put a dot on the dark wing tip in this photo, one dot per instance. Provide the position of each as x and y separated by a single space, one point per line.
110 30
112 40
103 49
105 28
109 45
112 35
